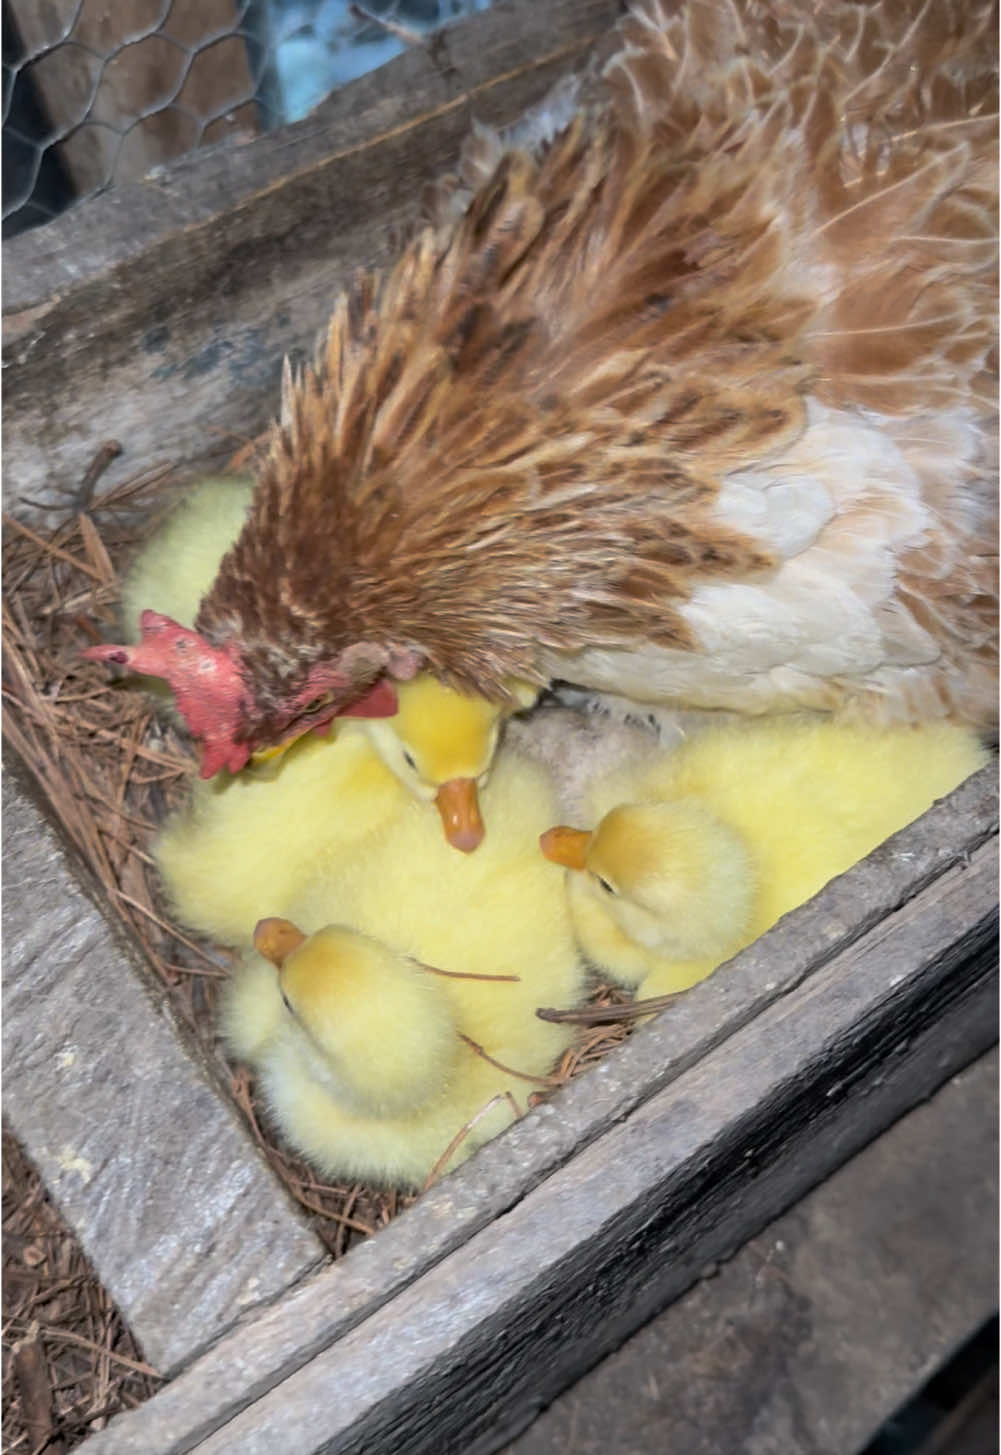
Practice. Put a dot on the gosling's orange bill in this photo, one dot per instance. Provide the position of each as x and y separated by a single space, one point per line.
566 846
460 814
275 939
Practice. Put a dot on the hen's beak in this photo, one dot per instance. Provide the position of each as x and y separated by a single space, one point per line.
460 814
271 756
566 846
275 939
379 700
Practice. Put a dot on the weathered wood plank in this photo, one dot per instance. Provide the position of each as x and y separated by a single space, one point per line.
158 313
179 1215
779 1031
828 1321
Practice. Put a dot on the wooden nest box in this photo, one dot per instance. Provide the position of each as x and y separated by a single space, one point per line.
157 314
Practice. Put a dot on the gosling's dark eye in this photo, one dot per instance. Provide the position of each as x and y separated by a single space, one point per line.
604 884
408 758
287 1002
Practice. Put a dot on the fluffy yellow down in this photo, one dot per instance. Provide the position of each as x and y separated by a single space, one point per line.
376 1026
174 570
244 844
500 911
704 850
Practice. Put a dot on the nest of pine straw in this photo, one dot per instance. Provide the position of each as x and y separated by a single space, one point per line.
112 769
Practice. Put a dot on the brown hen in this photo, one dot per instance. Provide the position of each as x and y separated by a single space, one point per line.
692 404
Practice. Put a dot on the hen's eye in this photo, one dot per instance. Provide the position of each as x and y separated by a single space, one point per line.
316 703
409 759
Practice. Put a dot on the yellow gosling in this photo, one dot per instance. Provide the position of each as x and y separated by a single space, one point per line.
694 857
360 1056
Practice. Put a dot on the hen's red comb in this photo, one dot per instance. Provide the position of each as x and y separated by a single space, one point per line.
206 682
210 693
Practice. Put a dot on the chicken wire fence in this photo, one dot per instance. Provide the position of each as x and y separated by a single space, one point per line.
102 91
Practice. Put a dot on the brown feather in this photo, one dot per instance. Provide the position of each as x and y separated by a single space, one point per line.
513 444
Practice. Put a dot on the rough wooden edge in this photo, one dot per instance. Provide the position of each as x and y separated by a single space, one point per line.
178 1214
773 978
158 313
829 1320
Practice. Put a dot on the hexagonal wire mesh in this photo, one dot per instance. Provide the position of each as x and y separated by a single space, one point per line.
100 91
